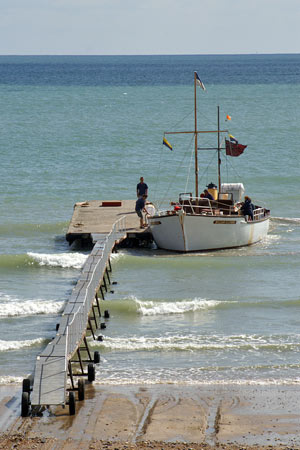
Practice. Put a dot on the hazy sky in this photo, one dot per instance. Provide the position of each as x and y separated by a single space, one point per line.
116 27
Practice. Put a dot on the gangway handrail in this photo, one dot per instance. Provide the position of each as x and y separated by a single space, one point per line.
49 386
80 318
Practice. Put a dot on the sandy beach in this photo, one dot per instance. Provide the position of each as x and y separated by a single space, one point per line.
160 417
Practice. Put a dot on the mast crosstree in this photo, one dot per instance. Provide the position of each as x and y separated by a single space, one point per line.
196 132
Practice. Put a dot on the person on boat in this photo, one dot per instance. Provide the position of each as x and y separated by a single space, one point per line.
207 195
247 208
141 188
139 208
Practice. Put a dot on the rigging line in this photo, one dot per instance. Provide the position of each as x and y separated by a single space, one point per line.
158 172
207 167
202 115
233 168
173 178
210 162
181 120
189 114
190 165
227 169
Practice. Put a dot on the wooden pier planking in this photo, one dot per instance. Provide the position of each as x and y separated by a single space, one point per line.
92 218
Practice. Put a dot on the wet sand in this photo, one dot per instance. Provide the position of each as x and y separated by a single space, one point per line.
160 417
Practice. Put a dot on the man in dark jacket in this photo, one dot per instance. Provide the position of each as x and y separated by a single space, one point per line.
139 208
141 188
247 208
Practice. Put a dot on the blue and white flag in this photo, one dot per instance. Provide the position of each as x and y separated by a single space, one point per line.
199 82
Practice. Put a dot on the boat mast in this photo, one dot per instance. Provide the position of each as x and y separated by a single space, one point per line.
196 136
196 132
219 151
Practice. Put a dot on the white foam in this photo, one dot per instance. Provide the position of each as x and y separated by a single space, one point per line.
201 343
5 380
157 381
150 308
15 307
295 220
116 256
17 345
73 260
165 343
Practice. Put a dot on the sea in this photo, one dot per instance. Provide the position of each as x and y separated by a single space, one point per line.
80 128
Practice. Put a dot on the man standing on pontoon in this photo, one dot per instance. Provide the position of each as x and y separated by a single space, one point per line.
140 208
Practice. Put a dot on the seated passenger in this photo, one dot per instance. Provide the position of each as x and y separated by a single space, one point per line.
207 195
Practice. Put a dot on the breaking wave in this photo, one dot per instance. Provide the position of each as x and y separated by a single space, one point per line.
279 343
12 307
70 260
64 260
151 308
10 380
17 345
133 305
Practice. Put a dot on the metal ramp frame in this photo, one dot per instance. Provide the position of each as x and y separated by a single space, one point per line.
53 365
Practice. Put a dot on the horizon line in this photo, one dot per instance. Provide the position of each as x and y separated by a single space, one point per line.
151 54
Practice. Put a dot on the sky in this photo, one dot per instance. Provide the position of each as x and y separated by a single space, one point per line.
142 27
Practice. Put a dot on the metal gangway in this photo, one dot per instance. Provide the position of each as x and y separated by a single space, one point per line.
49 385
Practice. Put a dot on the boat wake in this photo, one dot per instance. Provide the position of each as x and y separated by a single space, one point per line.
286 220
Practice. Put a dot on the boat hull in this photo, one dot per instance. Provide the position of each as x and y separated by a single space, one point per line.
188 233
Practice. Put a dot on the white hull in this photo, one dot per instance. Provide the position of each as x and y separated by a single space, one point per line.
187 232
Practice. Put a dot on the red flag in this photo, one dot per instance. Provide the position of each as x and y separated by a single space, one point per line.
234 149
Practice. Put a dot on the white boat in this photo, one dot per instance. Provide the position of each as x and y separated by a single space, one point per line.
194 223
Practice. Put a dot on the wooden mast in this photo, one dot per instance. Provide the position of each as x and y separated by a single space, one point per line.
219 152
196 132
196 136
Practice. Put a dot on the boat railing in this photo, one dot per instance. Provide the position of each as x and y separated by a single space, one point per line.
192 205
258 213
200 206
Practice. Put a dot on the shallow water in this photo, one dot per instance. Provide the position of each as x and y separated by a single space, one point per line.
75 129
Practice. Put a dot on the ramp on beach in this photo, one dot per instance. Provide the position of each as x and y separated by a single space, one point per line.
53 365
105 223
